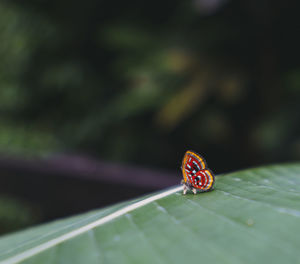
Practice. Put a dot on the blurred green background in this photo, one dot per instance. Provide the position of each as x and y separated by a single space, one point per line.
140 82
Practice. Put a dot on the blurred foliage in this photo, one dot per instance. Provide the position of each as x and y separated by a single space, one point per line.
142 81
16 214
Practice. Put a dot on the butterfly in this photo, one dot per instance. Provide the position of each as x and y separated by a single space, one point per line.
196 175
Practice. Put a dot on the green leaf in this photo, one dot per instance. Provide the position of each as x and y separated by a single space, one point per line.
252 216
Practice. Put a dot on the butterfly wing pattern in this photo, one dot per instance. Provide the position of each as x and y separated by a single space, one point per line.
196 175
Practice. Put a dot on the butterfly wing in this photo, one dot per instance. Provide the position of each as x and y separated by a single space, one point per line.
191 163
204 180
195 171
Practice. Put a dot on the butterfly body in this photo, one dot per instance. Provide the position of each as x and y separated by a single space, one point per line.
196 175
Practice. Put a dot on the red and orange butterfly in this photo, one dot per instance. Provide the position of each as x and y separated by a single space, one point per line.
196 175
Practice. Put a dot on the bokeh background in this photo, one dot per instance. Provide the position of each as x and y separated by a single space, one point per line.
99 100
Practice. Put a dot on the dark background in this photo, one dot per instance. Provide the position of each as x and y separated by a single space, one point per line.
94 93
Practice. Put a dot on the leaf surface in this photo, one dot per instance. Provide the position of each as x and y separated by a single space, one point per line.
252 216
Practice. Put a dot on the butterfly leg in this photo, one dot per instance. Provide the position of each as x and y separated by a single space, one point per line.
194 190
185 188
